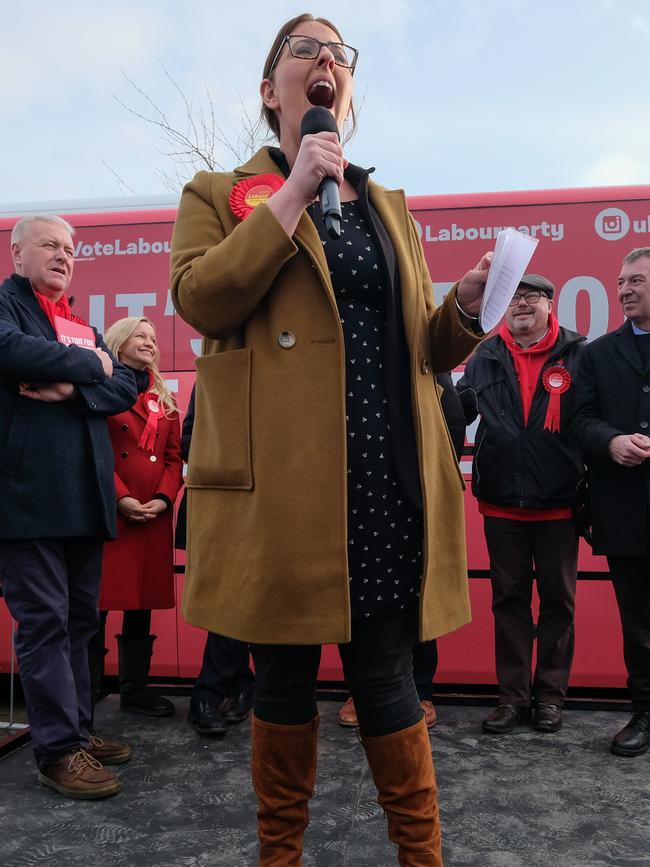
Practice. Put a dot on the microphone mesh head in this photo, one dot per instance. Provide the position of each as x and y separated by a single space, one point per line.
318 119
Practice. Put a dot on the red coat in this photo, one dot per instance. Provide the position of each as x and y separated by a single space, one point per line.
138 567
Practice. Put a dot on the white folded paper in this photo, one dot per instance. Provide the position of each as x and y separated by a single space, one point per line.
512 253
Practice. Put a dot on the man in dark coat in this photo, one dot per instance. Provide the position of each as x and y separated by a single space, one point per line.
612 423
58 500
527 476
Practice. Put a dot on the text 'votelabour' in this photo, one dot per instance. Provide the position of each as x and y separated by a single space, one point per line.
85 250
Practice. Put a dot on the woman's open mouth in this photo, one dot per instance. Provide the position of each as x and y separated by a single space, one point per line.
321 93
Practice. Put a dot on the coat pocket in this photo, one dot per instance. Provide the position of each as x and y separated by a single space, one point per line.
220 453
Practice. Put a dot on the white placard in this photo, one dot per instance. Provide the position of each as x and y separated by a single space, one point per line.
512 253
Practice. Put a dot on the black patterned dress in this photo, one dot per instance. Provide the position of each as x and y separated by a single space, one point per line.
384 528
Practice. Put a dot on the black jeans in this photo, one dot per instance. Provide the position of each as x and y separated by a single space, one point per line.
378 667
631 579
425 665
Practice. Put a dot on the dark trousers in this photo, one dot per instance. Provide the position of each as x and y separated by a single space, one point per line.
225 670
551 549
425 664
378 668
631 579
51 587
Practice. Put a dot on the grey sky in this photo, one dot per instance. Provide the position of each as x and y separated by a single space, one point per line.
457 95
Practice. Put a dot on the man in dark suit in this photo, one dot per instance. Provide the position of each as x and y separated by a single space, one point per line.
612 423
58 500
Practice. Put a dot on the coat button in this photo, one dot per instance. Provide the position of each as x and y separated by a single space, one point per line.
125 427
643 424
646 388
287 339
125 454
425 366
153 459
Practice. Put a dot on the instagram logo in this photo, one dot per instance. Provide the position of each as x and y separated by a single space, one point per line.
612 224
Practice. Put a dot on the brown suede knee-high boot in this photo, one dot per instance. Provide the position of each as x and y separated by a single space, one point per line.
402 768
283 771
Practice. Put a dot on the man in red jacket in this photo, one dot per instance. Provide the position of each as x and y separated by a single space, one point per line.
527 476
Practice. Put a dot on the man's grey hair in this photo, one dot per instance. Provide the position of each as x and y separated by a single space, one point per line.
637 253
18 231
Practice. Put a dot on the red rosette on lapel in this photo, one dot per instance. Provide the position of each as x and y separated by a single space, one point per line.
556 380
151 406
251 192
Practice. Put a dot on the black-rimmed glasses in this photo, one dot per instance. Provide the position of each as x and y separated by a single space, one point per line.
308 48
531 297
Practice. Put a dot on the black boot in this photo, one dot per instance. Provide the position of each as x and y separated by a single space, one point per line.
633 739
134 660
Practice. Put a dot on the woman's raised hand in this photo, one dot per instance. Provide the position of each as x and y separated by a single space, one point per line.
472 286
319 156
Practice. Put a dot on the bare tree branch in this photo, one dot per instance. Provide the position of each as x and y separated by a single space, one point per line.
201 144
120 181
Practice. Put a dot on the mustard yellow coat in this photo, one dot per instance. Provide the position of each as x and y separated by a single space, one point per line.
267 499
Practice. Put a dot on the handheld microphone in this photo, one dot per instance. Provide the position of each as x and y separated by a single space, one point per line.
314 120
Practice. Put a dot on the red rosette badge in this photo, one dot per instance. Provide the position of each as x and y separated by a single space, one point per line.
251 192
556 380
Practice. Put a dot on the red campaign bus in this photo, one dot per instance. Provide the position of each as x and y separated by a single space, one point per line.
122 269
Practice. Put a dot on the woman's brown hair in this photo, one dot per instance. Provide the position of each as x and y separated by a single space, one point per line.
267 114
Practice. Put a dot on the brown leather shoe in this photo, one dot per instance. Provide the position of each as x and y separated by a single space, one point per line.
348 714
79 775
109 752
430 715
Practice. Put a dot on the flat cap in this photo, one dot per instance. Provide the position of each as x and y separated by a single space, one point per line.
536 281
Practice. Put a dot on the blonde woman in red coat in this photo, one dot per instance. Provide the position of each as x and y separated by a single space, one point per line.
138 567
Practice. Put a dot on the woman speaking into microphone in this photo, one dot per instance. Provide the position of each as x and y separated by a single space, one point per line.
325 502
